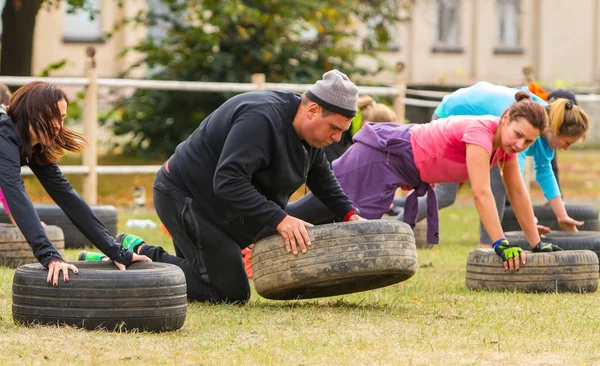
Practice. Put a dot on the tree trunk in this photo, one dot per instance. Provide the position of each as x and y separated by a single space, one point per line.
18 24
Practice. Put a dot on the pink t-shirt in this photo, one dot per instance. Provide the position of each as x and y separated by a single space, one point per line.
6 209
440 150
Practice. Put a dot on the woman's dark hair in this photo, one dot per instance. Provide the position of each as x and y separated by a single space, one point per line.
34 109
525 108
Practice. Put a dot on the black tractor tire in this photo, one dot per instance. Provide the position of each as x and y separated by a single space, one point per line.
580 240
343 258
146 297
53 215
16 251
586 213
567 271
420 232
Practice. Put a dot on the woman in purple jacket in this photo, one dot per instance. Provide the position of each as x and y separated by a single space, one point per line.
386 156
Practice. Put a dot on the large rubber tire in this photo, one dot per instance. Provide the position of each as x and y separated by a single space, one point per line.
420 232
343 258
568 271
53 215
586 213
581 240
15 250
148 297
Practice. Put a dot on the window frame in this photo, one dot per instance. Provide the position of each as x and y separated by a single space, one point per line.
451 46
502 47
67 31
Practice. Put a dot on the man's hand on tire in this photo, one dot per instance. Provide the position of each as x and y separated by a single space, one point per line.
294 233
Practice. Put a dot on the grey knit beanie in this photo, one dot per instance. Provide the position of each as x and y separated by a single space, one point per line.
335 93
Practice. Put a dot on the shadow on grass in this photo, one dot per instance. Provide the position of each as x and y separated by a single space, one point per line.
341 304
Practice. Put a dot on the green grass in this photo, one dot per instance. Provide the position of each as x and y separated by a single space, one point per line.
429 319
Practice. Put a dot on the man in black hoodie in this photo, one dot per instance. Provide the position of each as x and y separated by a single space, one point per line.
233 177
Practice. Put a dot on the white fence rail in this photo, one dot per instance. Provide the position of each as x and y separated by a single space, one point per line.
91 83
103 169
197 86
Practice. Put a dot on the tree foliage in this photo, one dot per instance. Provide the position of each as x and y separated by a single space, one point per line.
18 26
291 41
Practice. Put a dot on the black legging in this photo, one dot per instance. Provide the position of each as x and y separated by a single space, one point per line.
555 168
210 259
310 209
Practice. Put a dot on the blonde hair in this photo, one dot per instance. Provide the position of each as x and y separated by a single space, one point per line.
374 112
567 118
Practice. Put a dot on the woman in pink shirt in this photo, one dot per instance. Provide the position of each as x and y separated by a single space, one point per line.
6 209
386 156
5 96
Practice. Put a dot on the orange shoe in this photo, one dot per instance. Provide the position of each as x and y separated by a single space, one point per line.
246 254
164 230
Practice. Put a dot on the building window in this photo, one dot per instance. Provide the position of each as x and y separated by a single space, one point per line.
509 24
79 25
447 27
2 3
159 28
447 22
377 26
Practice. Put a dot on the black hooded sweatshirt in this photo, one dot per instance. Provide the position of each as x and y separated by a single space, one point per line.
245 161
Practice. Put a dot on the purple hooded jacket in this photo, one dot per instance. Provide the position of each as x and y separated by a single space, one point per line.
380 160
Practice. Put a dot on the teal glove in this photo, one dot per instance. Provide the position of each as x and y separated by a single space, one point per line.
546 247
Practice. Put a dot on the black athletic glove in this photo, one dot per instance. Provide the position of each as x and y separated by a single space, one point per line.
506 250
546 247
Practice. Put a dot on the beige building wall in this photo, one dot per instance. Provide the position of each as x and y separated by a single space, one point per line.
426 66
596 42
493 65
567 40
50 46
559 38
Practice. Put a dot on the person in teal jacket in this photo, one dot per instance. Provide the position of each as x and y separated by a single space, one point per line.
568 123
480 99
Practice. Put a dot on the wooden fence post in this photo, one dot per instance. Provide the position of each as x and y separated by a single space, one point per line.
259 80
90 121
399 106
528 74
528 174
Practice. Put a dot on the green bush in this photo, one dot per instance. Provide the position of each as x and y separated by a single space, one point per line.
228 40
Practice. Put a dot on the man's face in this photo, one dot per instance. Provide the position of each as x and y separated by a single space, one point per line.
322 130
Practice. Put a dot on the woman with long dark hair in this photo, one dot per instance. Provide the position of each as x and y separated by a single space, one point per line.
32 133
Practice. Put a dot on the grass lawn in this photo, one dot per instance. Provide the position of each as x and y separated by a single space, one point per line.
429 319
